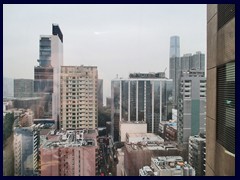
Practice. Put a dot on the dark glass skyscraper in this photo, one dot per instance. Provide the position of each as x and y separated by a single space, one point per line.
47 73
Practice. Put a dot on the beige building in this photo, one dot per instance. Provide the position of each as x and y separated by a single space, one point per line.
131 127
79 97
220 122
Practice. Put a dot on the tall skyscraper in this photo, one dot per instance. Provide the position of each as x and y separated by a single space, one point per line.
220 124
185 63
191 105
47 74
174 46
23 88
174 65
79 104
143 97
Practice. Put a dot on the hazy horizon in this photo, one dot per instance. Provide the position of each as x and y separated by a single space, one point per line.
118 39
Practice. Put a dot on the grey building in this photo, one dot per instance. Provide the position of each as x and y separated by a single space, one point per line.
191 105
142 97
23 88
220 124
174 46
26 146
100 93
197 153
8 85
175 73
185 63
174 64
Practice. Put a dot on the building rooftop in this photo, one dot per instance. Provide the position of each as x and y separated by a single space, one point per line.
69 138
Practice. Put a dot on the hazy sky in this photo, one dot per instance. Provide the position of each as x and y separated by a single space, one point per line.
118 39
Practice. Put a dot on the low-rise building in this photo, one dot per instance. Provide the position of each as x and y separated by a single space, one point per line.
167 166
69 153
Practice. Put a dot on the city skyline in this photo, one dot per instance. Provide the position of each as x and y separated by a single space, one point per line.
118 39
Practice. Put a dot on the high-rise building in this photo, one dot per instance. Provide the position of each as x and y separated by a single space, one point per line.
69 153
174 46
197 153
191 105
100 93
174 65
23 88
185 63
25 151
79 106
47 74
220 124
143 97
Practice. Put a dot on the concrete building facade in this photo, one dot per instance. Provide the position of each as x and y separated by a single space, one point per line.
167 166
25 151
131 127
79 101
191 105
220 123
69 153
197 153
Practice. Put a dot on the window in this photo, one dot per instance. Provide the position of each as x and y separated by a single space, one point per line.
226 106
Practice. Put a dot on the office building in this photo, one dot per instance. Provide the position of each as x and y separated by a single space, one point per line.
79 103
23 88
197 153
143 97
174 46
100 93
220 123
69 153
193 61
47 73
174 64
25 151
185 63
191 105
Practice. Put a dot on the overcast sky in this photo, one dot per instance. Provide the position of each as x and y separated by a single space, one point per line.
118 39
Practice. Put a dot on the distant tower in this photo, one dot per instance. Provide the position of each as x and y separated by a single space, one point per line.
174 46
175 65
